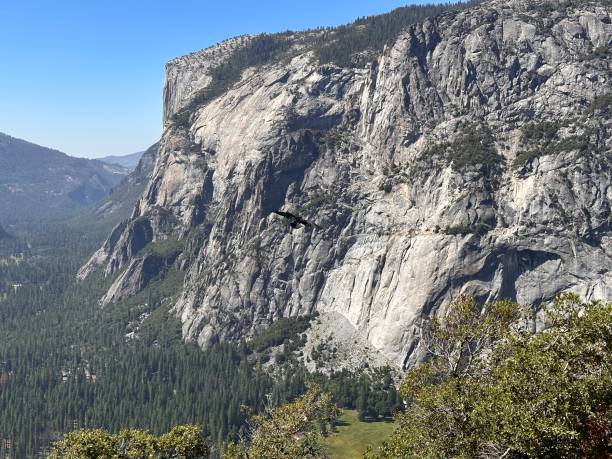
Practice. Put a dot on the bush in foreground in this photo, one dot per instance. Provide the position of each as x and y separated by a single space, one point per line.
182 442
293 430
490 388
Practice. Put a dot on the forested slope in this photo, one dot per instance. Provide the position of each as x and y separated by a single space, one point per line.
37 182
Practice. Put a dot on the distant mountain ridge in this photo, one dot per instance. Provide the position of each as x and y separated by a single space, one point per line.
3 233
128 161
39 181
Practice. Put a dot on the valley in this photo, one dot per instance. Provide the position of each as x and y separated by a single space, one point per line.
394 233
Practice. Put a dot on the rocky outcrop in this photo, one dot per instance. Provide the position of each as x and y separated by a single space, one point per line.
471 156
122 199
187 75
137 275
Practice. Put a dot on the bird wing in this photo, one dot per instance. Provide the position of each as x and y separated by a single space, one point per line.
284 214
302 221
296 219
315 225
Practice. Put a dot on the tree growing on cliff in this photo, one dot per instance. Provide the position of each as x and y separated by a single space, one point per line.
523 395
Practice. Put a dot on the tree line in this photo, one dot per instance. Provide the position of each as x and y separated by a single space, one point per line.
489 387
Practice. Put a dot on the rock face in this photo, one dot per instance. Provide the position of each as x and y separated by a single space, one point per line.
120 203
471 156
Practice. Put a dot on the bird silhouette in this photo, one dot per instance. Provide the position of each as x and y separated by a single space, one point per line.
295 221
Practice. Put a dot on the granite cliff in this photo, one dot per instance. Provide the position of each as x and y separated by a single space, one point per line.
120 203
470 154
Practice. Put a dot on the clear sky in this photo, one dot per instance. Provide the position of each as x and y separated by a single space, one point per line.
86 76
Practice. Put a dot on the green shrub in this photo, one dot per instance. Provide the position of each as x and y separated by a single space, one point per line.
537 132
492 388
542 139
474 146
168 248
601 52
600 103
293 430
282 331
461 230
572 143
184 441
320 198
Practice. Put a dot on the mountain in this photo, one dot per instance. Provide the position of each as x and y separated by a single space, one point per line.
3 233
38 181
122 199
465 154
127 161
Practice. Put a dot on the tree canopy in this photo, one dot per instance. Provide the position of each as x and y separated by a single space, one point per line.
522 395
182 442
289 431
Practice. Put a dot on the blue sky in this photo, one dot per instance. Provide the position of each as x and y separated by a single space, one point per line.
86 76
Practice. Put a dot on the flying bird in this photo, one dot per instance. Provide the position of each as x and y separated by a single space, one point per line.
295 221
